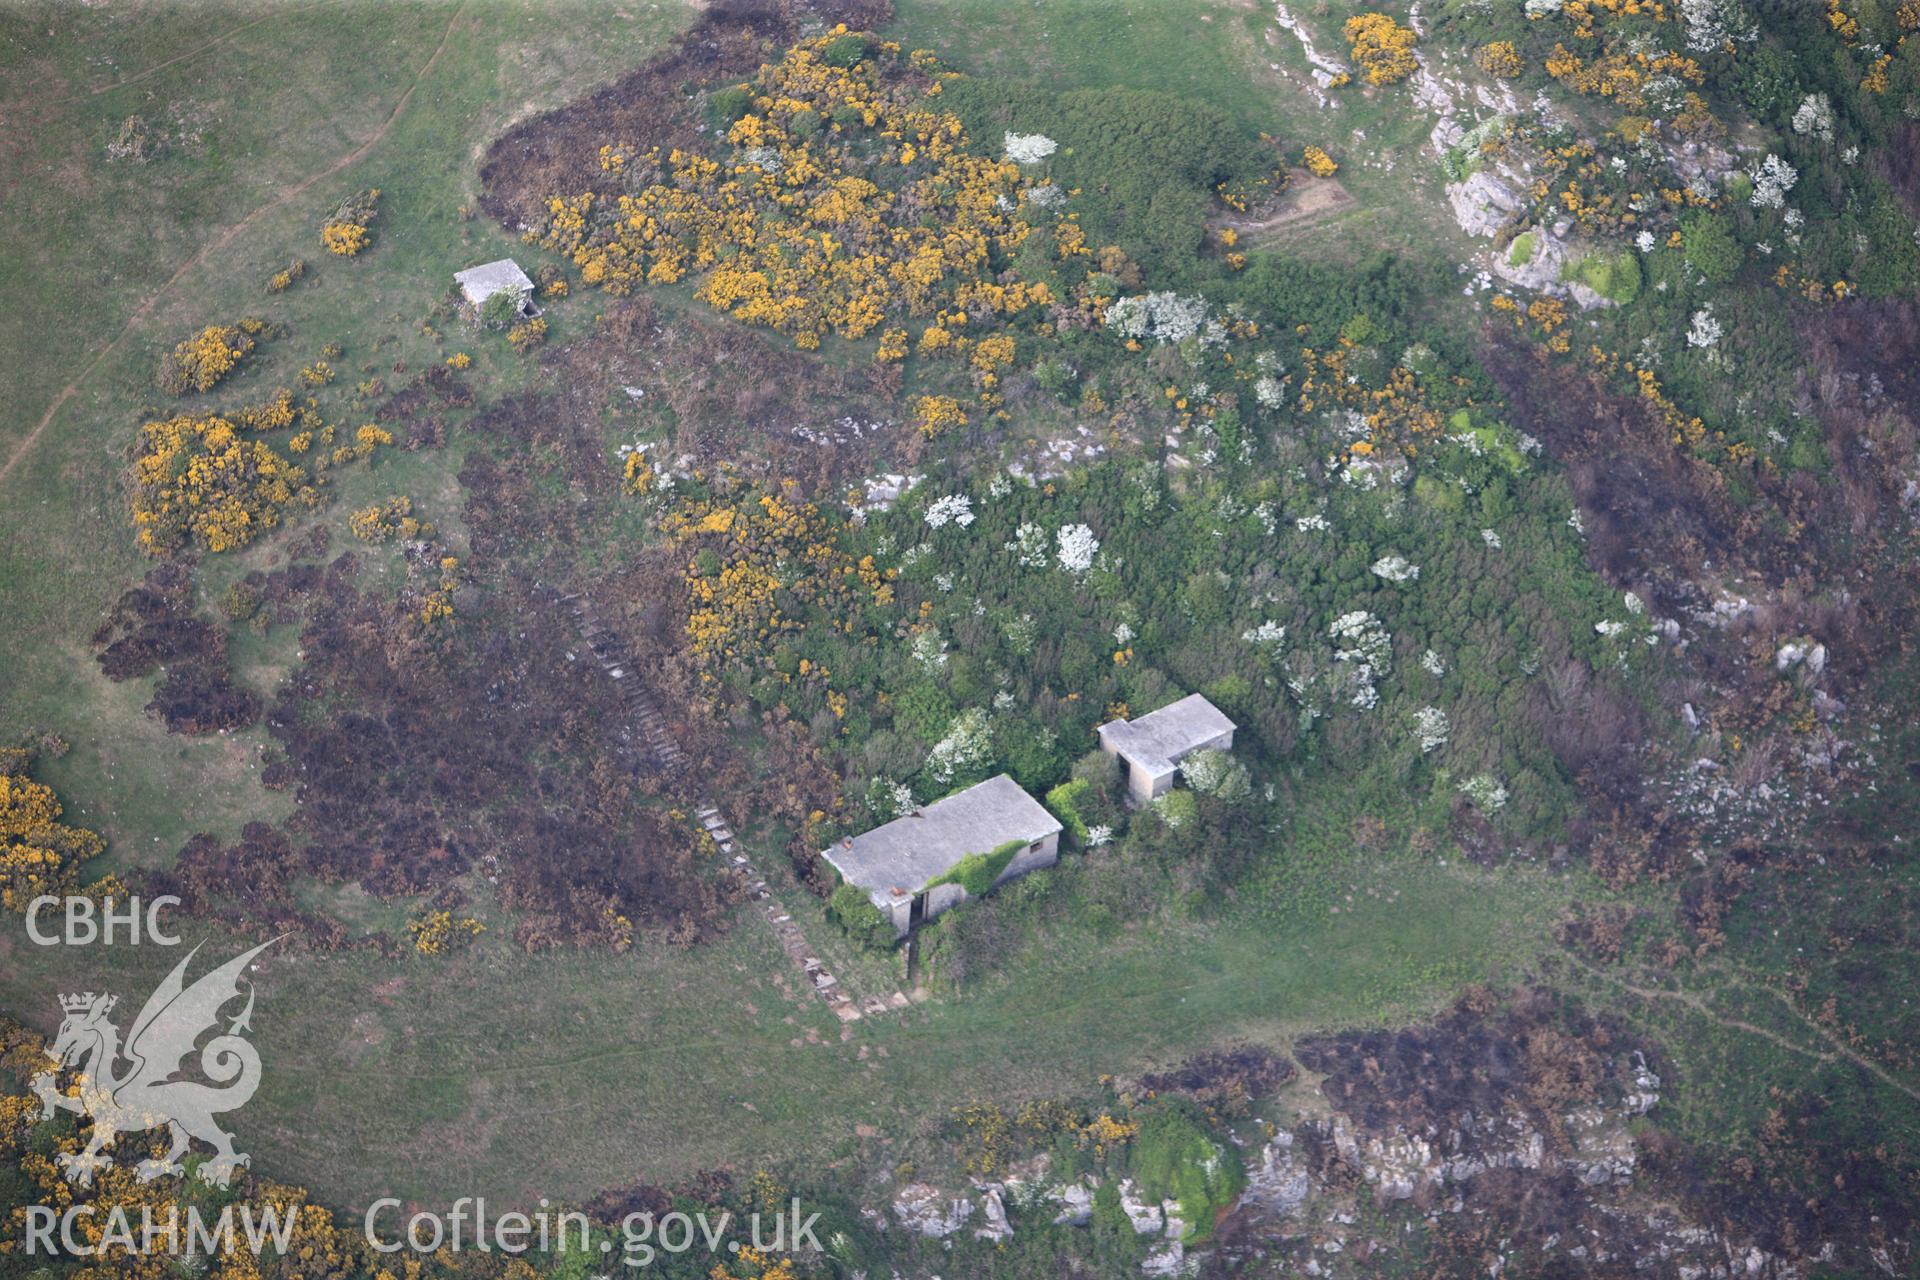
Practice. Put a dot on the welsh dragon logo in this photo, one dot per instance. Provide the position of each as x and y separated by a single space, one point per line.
146 1095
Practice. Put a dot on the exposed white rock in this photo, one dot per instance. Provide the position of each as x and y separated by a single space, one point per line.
1076 1204
1146 1218
1483 203
1169 1258
993 1212
1281 1183
928 1210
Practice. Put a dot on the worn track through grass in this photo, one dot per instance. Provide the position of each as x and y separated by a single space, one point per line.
221 241
178 58
1702 1007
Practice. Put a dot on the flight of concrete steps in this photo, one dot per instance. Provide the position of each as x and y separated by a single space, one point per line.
645 716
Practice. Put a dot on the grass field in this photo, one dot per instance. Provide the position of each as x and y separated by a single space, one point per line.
561 1075
1234 55
281 110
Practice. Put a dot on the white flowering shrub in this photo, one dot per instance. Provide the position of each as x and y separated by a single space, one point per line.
1363 643
1491 538
889 799
1047 195
1161 317
1712 23
1216 773
1020 633
929 650
1703 330
1175 808
1099 835
1029 148
1432 727
955 508
1359 637
1433 664
1814 117
1268 637
1268 392
968 744
1772 179
1030 546
1396 568
1485 790
1077 548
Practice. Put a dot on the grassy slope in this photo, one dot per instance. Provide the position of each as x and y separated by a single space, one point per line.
287 94
1232 54
561 1075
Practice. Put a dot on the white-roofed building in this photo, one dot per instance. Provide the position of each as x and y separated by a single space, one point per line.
1152 746
477 284
904 866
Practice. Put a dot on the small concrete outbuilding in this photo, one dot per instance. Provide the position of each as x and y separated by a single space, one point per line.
477 284
897 863
1152 746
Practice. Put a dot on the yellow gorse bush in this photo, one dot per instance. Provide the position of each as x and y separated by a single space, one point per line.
1499 58
438 932
935 415
382 520
199 363
197 480
1382 47
346 233
792 231
767 548
39 854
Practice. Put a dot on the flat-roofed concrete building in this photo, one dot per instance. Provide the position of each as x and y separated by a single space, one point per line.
477 284
897 863
1152 746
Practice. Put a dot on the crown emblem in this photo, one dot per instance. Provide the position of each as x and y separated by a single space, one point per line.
87 1002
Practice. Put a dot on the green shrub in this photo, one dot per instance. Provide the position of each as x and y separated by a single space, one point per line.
724 106
977 872
1174 1158
844 51
1615 277
854 912
1520 252
1710 246
500 309
1064 803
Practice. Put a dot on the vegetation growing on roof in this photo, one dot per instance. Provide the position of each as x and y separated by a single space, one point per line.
978 872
